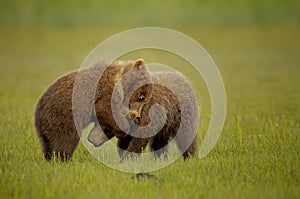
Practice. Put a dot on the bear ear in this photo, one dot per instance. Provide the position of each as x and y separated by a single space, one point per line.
139 62
136 64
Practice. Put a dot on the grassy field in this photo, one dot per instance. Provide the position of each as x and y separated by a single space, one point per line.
257 155
256 45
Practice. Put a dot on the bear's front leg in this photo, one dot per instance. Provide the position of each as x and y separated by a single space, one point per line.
135 148
123 144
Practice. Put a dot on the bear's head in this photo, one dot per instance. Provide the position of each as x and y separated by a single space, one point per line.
135 86
132 90
138 100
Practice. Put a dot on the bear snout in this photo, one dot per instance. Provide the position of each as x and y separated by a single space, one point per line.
133 114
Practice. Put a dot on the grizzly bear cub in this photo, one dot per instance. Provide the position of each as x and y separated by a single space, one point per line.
174 93
54 112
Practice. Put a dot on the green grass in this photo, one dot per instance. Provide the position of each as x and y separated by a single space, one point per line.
257 155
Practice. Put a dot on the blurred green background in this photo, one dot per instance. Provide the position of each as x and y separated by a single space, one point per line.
169 13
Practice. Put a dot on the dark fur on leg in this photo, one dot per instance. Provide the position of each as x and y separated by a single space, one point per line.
123 144
157 146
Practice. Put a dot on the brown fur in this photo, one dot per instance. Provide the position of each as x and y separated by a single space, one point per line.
186 140
53 115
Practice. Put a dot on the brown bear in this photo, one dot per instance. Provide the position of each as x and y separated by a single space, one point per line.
174 93
56 108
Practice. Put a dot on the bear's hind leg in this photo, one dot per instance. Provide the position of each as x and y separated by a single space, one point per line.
50 154
190 151
66 151
61 147
63 156
46 148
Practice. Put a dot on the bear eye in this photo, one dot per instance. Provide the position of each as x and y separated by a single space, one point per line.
141 98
